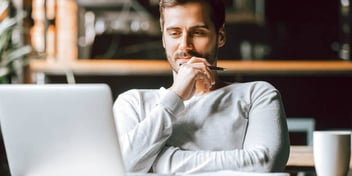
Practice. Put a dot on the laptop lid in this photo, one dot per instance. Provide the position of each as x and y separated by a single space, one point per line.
59 129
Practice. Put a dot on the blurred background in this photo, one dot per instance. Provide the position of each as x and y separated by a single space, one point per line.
257 30
65 30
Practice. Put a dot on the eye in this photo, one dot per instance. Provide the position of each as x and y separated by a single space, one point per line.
199 33
174 33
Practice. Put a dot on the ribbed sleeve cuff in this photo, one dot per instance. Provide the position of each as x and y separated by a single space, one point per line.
171 101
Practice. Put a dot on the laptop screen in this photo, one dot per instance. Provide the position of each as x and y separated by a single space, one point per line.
59 129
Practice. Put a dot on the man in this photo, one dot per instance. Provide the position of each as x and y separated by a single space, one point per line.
200 123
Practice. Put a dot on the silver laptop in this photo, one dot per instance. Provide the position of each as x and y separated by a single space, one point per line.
65 130
59 130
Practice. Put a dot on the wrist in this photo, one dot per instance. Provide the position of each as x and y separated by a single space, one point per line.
172 102
182 94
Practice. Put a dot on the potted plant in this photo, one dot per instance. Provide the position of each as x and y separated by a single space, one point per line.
13 55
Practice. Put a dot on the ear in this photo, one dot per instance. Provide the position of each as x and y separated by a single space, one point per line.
162 32
162 38
221 37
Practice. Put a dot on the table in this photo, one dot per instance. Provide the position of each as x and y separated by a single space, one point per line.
301 158
216 173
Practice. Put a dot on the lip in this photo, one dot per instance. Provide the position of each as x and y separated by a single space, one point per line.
185 58
182 60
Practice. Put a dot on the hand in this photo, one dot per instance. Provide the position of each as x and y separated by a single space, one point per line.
193 76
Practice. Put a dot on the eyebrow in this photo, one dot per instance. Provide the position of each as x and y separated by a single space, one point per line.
193 27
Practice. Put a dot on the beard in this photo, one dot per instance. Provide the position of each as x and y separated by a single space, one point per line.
173 58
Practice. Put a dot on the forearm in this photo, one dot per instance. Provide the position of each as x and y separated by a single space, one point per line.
142 135
141 145
175 160
265 147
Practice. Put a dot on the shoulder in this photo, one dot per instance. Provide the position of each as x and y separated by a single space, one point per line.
139 92
255 90
252 87
262 86
138 95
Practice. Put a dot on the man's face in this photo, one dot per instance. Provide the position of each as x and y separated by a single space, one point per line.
188 31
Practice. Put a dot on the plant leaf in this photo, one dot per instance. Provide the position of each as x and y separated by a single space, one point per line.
4 41
15 54
7 24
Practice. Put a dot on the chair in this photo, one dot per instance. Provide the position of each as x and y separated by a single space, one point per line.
306 125
302 124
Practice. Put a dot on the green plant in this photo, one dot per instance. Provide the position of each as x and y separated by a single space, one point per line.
13 55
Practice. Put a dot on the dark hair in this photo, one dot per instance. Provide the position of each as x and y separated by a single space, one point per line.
217 8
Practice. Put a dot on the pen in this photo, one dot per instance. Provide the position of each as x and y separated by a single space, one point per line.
211 67
216 68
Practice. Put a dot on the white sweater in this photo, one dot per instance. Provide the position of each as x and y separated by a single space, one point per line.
238 127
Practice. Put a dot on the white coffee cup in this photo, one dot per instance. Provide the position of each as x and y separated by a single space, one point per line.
332 150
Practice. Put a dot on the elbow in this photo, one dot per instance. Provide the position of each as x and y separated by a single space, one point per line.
133 166
264 160
278 158
137 167
137 163
281 157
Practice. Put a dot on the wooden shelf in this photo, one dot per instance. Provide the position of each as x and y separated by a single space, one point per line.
102 67
161 67
288 67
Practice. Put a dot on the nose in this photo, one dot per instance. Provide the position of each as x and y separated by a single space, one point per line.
185 43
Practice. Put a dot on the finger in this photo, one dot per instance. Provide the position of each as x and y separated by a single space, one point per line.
206 72
204 77
203 80
211 75
200 66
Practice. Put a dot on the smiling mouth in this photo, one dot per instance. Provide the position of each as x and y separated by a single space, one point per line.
182 57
